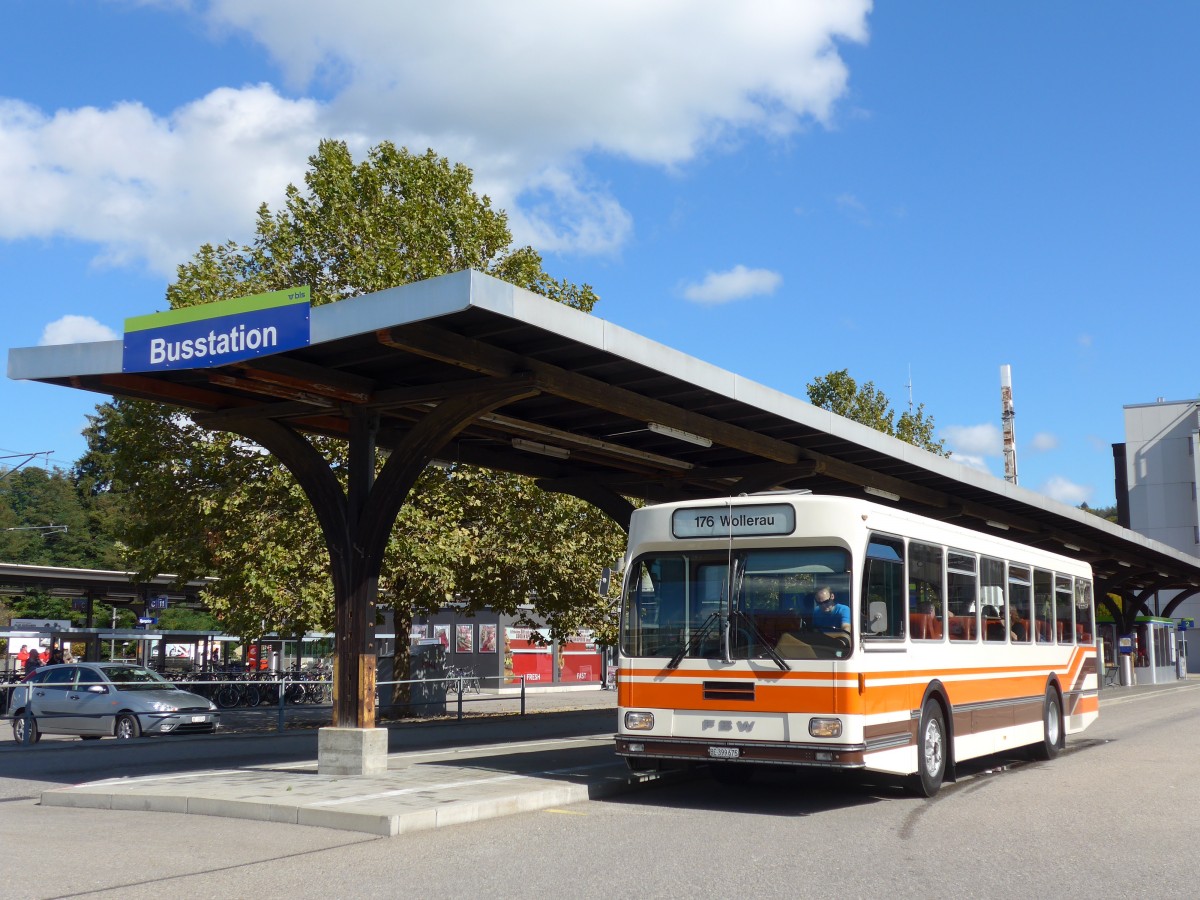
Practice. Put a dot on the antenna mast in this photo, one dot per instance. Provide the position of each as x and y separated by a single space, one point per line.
1006 417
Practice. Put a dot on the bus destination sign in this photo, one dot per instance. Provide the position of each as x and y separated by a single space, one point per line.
728 521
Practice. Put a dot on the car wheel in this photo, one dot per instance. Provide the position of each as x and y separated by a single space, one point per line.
128 727
19 723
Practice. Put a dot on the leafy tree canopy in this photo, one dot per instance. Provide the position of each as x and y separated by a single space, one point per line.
841 394
47 520
1108 513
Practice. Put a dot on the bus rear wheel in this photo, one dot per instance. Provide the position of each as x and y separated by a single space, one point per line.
1052 728
931 751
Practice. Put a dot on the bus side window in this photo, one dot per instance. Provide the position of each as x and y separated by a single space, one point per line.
963 595
1043 607
1020 621
883 603
995 612
1083 612
1064 607
926 591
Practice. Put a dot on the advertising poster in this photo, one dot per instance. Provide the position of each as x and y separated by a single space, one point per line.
442 633
418 632
487 638
464 638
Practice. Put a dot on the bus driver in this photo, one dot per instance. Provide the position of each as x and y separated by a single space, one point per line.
828 614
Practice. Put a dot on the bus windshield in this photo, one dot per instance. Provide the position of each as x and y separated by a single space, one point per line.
791 602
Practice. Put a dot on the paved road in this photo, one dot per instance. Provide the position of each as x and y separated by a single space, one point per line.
1112 817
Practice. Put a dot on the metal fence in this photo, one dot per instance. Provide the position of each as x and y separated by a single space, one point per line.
286 698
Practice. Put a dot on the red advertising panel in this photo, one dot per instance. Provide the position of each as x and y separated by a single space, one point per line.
525 655
579 660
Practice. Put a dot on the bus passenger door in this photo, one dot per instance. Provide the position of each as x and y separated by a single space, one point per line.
883 622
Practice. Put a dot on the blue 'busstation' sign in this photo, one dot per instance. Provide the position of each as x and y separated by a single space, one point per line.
216 334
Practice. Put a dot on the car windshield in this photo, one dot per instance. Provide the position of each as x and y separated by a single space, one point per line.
792 602
135 678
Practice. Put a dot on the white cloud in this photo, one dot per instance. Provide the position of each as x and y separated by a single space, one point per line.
523 93
1064 491
146 188
76 330
973 440
1043 442
971 460
854 208
736 284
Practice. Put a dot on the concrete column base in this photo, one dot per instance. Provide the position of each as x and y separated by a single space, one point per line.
352 751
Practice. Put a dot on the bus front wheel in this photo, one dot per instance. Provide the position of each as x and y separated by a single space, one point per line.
931 751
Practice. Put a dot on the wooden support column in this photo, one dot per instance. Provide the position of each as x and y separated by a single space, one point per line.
354 665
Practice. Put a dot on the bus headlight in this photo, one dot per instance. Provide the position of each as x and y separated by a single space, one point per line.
639 721
825 728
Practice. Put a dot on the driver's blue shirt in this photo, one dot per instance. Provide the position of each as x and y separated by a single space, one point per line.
834 619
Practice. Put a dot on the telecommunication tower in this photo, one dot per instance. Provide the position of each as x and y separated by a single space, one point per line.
1006 417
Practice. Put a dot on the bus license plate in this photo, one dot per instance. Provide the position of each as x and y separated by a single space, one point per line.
724 752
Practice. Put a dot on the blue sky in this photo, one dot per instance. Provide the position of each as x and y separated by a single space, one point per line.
917 192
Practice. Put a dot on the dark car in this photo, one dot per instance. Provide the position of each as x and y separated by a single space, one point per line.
93 700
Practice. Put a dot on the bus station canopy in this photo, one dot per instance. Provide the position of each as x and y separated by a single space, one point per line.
112 587
597 411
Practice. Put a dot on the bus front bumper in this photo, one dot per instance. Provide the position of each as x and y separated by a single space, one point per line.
844 756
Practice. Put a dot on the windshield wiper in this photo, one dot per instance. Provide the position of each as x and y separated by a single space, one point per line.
694 638
742 616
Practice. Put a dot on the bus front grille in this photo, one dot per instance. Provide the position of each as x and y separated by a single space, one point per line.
729 690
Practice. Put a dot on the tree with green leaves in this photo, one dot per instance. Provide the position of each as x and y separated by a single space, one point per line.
210 503
47 520
841 394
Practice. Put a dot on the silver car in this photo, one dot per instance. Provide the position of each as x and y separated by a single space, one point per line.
97 699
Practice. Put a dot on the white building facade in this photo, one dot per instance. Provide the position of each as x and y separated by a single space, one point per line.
1160 463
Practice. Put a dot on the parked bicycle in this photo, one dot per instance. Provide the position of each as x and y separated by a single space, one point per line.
462 680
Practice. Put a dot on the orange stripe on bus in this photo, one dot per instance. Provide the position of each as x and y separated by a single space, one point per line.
784 691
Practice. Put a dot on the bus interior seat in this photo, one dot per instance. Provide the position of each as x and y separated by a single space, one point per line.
924 626
774 627
962 628
994 630
791 647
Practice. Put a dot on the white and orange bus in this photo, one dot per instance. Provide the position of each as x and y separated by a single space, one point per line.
802 630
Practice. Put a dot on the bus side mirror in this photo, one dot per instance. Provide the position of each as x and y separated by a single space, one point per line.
605 580
877 620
